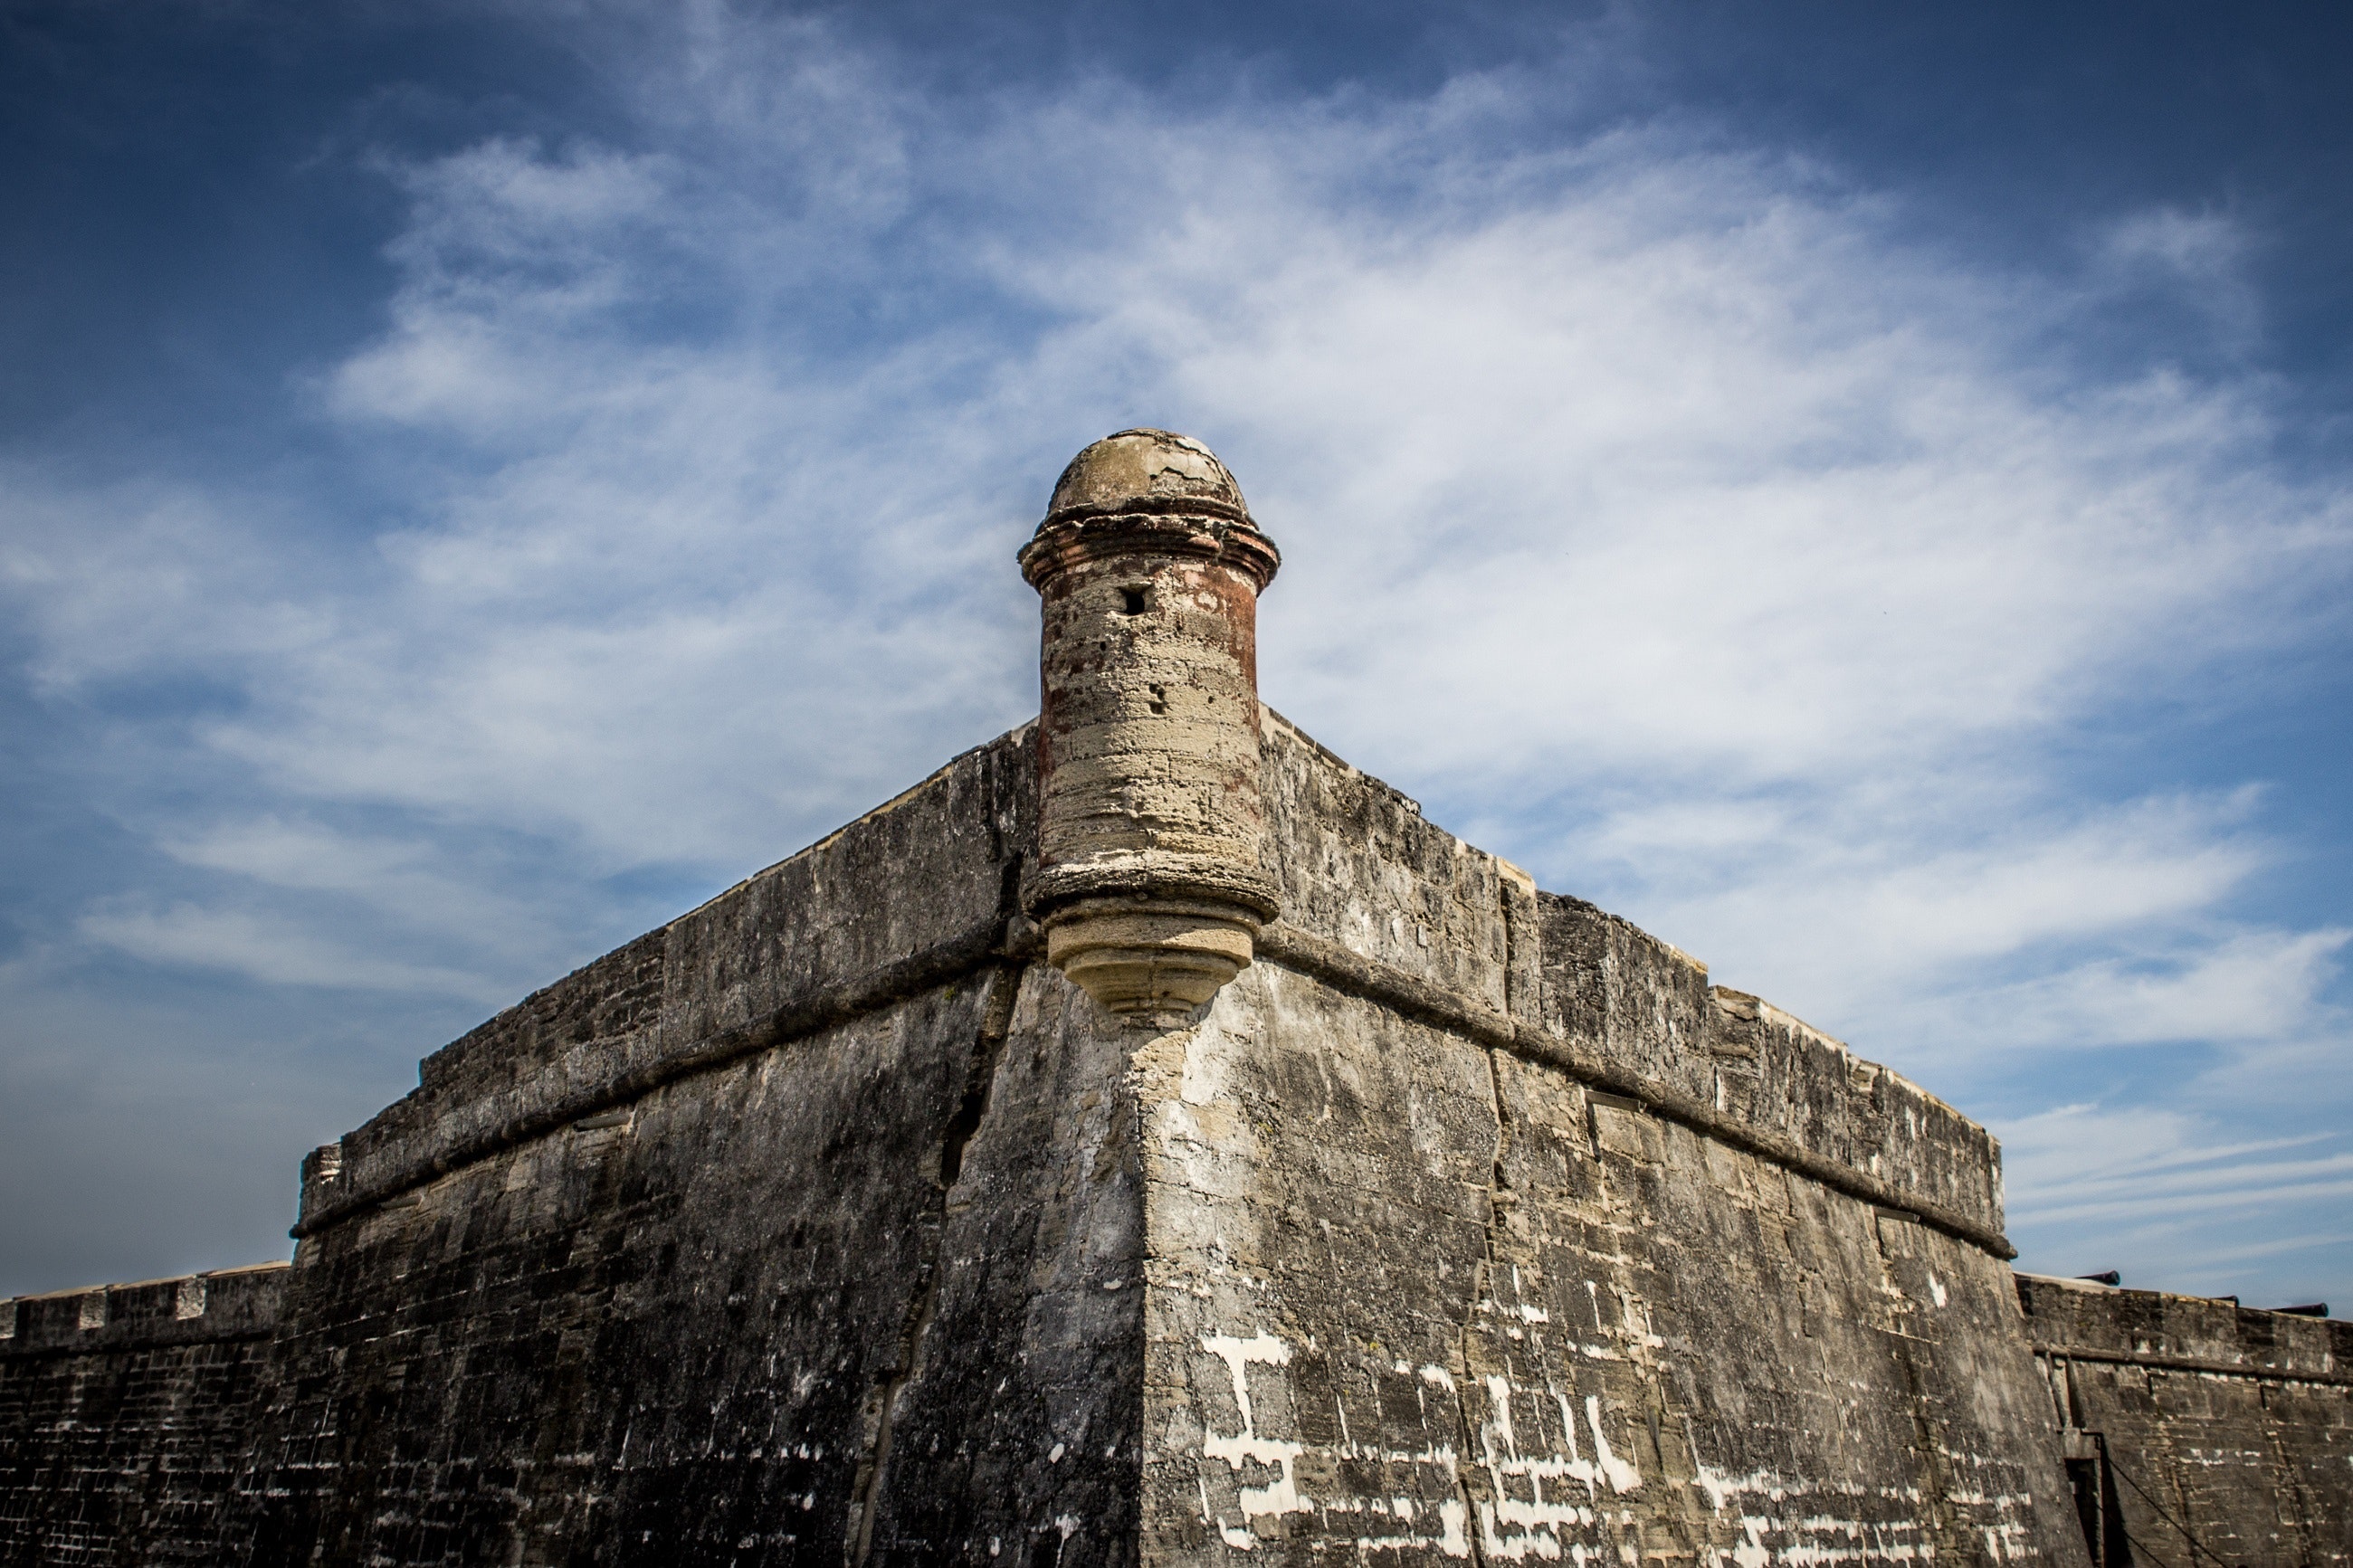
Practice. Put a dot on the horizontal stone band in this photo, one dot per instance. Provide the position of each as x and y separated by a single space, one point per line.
2193 1364
1375 981
1061 541
1152 874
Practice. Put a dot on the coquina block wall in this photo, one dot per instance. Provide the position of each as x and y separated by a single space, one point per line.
1245 1169
828 1220
803 1229
2202 1430
1477 1225
126 1414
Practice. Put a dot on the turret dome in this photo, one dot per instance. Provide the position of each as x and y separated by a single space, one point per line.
1147 471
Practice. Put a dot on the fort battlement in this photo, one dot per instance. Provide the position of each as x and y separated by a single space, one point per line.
2197 1428
222 1306
127 1413
1405 913
1147 1141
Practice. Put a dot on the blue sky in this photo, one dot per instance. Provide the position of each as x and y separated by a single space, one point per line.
1859 490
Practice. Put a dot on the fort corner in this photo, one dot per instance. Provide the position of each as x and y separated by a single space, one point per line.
1149 1141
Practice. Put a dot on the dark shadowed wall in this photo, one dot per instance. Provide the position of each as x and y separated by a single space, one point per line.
2203 1431
802 1226
127 1413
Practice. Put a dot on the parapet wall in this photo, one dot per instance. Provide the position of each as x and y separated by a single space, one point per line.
126 1412
918 892
2202 1430
1372 893
1378 902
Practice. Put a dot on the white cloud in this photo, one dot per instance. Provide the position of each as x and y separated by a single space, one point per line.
273 950
2197 259
1658 509
2207 246
1907 886
146 575
2259 985
2164 1198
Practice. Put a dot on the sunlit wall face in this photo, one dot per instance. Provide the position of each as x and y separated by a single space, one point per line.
1867 505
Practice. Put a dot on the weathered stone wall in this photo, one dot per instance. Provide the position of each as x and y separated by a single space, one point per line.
125 1414
916 892
1379 900
1639 1005
830 1225
803 1227
1422 1290
747 1320
2227 1432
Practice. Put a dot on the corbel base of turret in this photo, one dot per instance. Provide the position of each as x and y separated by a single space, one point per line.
1150 961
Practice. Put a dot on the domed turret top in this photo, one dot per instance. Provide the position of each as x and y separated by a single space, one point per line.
1147 471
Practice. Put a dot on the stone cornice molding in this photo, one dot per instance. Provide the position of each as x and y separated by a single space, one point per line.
1183 530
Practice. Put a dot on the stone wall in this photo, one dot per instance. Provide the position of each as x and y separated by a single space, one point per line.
914 893
125 1415
828 1225
1479 1225
2201 1430
746 1320
799 1229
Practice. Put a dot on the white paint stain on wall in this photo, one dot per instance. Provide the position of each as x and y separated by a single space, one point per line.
1383 1523
1279 1496
1543 1498
1621 1475
1803 1525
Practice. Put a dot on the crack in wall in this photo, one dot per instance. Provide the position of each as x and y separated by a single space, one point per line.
882 1401
1482 1287
1916 1398
1483 1276
2298 1522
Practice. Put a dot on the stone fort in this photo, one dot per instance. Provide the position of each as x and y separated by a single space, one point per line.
1148 1140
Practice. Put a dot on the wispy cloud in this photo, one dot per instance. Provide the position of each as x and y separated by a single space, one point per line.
2150 1190
274 951
1663 514
2200 259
